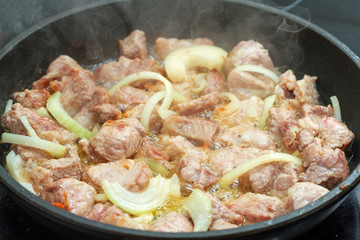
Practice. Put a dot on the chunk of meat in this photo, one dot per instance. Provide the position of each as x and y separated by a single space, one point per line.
323 165
110 73
67 167
111 214
305 91
134 45
105 112
256 207
127 97
334 133
59 72
283 123
30 156
245 135
288 82
77 92
184 88
246 84
246 111
310 122
163 46
220 212
225 160
44 127
275 177
215 82
148 149
198 130
76 196
33 99
248 52
134 176
117 139
172 222
303 193
155 122
198 105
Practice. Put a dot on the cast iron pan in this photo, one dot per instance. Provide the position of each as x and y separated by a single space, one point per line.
89 35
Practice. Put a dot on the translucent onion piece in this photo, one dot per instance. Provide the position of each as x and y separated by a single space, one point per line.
26 124
54 106
251 110
144 218
175 186
138 203
234 104
28 186
268 103
258 69
199 207
177 62
149 107
54 149
336 105
43 112
13 163
178 97
169 91
155 166
199 83
230 177
8 106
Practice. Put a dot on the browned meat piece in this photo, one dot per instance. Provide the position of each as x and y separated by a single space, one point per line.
44 127
163 46
245 84
156 121
77 92
215 82
334 133
256 207
105 111
110 73
129 174
190 170
220 212
176 147
288 83
283 123
184 88
303 193
310 122
148 149
58 74
305 91
30 156
224 160
248 52
198 105
220 224
116 140
245 135
127 97
323 165
134 45
67 167
33 99
110 214
276 178
73 195
172 222
198 130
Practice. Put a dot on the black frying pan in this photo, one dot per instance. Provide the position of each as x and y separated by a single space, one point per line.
89 35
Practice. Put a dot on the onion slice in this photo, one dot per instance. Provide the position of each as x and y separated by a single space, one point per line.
177 62
258 69
230 177
234 104
268 103
54 149
336 105
138 203
200 209
199 83
8 106
54 106
43 112
155 166
26 124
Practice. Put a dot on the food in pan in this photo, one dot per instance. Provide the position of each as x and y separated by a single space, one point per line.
186 138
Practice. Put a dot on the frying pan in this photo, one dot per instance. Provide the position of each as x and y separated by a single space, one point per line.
89 34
